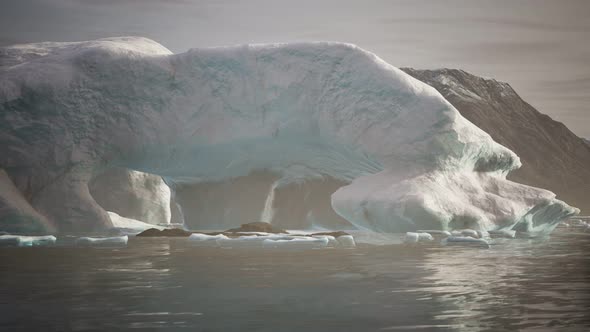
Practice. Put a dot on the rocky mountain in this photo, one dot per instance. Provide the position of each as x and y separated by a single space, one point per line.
552 156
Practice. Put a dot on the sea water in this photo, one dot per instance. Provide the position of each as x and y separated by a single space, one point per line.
165 284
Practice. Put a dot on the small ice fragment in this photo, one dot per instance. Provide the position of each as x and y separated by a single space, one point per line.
465 241
103 241
346 241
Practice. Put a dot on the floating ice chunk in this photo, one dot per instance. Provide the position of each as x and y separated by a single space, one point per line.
204 239
39 240
332 242
425 237
412 237
103 241
9 240
503 233
465 241
346 241
467 232
303 242
26 241
436 233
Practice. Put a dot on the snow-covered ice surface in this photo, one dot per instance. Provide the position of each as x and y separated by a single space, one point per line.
302 111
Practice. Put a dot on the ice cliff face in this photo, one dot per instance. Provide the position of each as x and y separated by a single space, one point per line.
302 112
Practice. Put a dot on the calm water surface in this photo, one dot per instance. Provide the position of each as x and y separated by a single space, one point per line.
168 285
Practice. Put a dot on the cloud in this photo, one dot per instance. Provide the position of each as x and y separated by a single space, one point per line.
482 21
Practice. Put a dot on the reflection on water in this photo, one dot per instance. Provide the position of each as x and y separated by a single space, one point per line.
523 284
167 285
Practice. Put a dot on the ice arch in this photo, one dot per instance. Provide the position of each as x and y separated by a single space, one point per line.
302 111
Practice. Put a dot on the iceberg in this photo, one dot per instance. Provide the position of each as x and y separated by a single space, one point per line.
402 156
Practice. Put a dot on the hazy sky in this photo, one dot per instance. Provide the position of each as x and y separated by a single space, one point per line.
542 48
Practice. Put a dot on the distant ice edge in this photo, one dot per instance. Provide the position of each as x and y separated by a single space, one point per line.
303 111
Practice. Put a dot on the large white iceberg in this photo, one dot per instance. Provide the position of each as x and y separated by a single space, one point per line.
301 111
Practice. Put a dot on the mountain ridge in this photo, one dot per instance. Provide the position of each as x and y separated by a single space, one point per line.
553 157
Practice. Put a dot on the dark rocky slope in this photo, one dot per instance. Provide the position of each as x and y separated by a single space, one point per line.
552 156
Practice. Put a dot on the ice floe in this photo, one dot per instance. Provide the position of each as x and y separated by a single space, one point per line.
114 241
27 241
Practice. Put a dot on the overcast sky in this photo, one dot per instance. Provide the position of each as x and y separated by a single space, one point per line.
542 48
